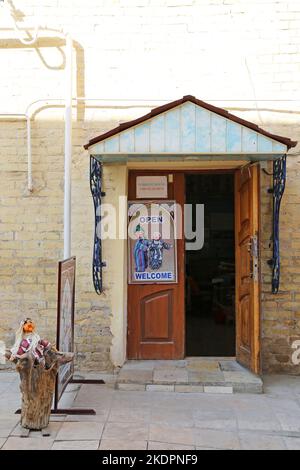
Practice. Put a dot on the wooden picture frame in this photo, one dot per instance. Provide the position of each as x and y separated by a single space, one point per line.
65 322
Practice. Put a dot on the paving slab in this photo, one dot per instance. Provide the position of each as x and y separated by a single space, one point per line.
254 441
207 448
206 378
118 444
250 421
242 387
173 417
241 377
281 385
152 445
224 389
131 387
217 439
171 434
129 415
75 445
126 431
176 375
225 420
71 431
2 441
289 421
160 388
131 399
135 376
9 376
189 388
8 424
288 405
28 443
292 443
139 365
230 366
202 364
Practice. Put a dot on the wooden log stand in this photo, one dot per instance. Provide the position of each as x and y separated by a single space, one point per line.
38 386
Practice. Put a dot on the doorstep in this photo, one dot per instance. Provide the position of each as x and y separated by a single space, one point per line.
190 375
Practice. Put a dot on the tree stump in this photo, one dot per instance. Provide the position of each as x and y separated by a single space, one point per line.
38 385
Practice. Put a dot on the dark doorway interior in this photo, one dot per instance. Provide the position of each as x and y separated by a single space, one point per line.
210 271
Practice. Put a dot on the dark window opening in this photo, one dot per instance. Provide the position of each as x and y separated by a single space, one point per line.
210 271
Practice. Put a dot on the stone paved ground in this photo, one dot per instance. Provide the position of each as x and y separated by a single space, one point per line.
162 420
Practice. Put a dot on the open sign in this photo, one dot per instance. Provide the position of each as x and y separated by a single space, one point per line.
151 219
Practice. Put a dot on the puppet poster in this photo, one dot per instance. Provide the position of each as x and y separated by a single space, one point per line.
152 242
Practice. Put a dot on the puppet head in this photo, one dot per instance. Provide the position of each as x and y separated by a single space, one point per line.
28 326
139 231
156 236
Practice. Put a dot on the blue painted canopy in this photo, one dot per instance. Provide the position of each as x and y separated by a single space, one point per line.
189 129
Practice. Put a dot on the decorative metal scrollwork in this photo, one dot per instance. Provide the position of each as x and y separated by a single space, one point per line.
279 178
96 185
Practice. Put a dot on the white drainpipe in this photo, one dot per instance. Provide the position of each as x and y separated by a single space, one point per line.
68 149
29 155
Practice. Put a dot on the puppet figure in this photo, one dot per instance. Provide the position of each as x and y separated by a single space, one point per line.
27 340
156 247
37 363
140 250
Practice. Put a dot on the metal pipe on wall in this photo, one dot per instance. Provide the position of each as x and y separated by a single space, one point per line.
68 149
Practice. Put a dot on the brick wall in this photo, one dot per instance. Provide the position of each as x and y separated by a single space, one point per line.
232 51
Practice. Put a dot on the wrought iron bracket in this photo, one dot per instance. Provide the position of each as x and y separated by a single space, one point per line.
97 194
279 179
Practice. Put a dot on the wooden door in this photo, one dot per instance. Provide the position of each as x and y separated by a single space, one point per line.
156 312
247 266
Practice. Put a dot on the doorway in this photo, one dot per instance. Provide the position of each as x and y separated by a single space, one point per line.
213 307
210 270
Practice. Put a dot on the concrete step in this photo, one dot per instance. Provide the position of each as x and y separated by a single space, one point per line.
191 375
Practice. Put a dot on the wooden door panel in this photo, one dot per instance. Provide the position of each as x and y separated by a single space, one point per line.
245 267
247 285
244 212
156 317
245 322
156 312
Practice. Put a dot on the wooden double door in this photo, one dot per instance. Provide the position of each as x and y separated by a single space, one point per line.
156 312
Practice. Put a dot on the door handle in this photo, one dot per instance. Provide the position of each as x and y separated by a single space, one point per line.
253 249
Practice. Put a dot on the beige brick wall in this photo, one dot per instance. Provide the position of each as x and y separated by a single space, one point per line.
232 51
281 312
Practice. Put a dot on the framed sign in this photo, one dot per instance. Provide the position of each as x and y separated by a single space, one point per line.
152 256
65 321
151 187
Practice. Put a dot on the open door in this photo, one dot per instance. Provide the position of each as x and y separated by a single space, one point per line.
247 267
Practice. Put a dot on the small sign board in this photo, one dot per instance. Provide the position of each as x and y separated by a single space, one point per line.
65 321
150 187
152 242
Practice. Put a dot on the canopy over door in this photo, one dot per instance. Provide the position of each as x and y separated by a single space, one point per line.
188 129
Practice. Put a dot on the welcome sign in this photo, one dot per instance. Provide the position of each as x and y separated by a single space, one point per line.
151 242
